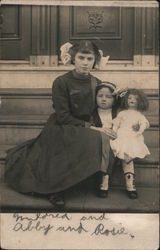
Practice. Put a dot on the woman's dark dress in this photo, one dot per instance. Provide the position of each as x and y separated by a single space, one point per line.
66 152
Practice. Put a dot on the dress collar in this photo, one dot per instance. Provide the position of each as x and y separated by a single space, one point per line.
104 111
79 76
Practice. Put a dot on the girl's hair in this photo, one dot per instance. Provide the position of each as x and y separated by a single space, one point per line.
142 100
86 47
110 86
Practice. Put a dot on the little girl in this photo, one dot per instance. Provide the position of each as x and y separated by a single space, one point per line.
129 126
106 110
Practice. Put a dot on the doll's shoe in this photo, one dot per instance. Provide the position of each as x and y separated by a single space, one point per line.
103 193
57 200
132 194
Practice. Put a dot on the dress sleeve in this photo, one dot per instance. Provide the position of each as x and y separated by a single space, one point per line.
60 99
144 123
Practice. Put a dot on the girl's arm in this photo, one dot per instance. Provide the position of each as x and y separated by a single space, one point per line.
61 105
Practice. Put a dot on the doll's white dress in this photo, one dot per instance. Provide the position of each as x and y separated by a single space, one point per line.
128 141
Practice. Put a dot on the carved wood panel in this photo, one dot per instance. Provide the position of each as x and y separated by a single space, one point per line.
111 28
16 32
10 23
44 29
148 24
100 22
146 36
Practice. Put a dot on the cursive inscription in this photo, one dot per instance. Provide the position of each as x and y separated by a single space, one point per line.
101 230
30 227
97 218
79 229
91 224
37 216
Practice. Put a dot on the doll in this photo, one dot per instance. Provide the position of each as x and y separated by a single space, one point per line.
129 126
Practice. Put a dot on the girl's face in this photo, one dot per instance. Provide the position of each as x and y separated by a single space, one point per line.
132 101
84 62
104 98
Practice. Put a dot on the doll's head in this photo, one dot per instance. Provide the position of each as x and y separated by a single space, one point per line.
135 99
104 97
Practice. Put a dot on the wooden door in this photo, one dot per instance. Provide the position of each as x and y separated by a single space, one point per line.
111 28
15 38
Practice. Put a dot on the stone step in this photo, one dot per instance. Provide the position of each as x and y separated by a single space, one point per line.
22 130
40 119
145 176
146 170
14 134
152 159
39 101
83 200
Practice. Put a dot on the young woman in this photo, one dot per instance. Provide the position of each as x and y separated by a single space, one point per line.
64 153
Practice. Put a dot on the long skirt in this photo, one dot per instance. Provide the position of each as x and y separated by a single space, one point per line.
60 157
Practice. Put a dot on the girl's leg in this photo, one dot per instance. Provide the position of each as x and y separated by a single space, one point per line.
103 189
105 176
128 169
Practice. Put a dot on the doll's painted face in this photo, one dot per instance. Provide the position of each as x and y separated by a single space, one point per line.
104 98
84 62
132 101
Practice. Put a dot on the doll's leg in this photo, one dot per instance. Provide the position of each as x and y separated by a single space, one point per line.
128 169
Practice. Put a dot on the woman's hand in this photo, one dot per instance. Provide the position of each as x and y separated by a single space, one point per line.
139 133
120 91
110 133
136 127
107 131
97 128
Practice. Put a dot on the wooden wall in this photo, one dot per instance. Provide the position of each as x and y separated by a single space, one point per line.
120 32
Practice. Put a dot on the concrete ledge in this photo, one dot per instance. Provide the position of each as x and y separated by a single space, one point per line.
144 78
19 120
153 158
83 200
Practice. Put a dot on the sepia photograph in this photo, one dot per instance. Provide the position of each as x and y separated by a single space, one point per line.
79 124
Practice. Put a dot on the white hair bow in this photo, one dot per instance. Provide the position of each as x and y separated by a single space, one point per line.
65 56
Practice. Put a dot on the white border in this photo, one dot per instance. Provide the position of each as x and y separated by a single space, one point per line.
133 3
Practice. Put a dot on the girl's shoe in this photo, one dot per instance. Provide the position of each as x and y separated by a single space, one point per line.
57 200
103 193
132 194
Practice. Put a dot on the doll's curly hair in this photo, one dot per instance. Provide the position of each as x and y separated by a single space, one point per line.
85 46
142 100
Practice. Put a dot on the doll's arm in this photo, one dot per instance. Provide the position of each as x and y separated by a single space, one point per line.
143 124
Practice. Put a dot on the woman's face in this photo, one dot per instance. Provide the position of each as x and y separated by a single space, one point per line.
84 62
104 98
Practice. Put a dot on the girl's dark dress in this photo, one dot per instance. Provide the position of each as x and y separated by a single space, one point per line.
66 152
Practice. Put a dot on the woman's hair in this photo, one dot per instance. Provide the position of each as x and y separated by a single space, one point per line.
142 101
86 47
